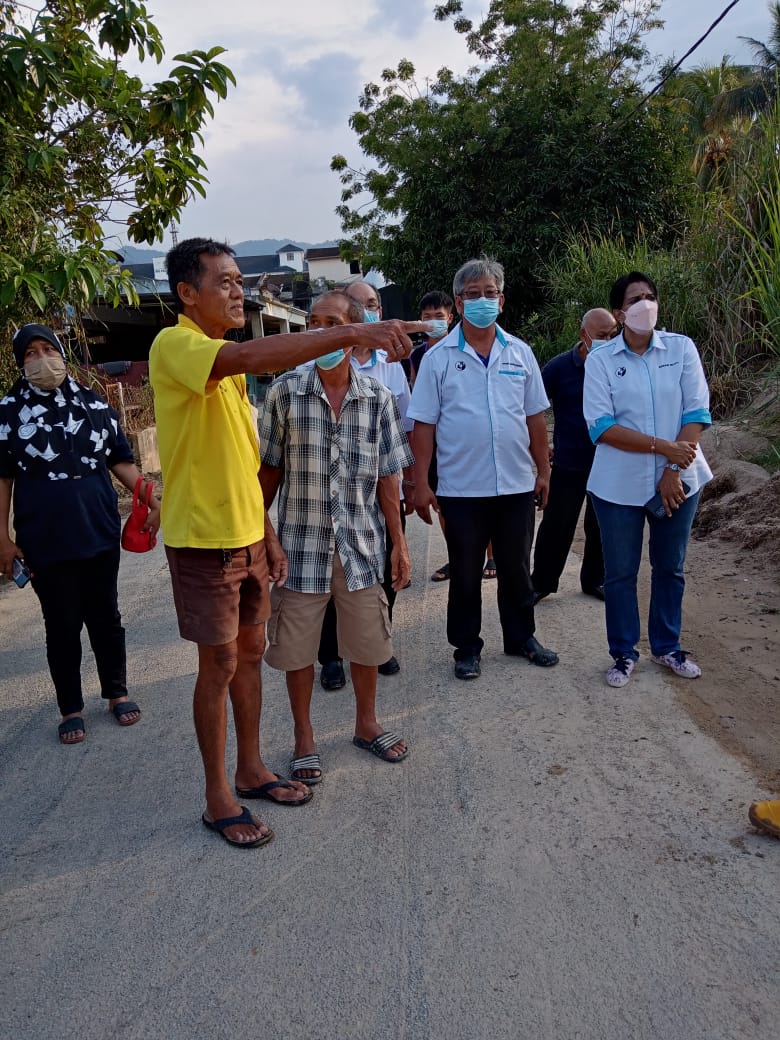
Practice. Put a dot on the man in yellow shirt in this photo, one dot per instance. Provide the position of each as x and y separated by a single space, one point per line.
222 551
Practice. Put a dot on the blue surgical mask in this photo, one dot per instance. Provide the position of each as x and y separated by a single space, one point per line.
329 361
369 317
438 327
480 313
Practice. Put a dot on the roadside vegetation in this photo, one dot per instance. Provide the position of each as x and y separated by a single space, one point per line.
82 142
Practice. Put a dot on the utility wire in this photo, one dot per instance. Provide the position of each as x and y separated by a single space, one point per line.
675 67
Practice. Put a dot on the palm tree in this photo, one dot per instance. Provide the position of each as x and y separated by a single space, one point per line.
760 89
711 132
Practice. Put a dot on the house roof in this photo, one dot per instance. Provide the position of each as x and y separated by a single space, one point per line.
323 253
289 248
247 265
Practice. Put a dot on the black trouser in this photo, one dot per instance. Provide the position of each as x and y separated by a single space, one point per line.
469 525
329 644
556 533
73 594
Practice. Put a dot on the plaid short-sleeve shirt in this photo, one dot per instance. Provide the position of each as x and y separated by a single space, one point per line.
328 495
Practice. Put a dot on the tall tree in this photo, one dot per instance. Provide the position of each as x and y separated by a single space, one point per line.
760 86
544 135
711 131
83 140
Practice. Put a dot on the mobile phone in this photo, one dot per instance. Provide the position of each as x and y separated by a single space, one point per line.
655 507
20 572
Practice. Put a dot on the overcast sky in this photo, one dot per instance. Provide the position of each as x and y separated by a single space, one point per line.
300 67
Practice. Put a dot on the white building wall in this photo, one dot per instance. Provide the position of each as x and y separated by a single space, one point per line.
332 269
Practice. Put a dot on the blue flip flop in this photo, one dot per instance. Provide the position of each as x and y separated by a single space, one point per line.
229 821
264 791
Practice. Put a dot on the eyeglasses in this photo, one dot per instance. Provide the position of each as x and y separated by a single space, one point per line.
477 294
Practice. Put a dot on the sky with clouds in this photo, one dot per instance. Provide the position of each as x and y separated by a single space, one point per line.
300 68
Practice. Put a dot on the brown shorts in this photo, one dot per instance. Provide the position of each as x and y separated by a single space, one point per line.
216 591
362 624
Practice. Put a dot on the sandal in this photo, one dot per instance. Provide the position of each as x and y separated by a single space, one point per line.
75 725
264 791
119 711
490 569
230 821
306 762
442 574
534 652
380 746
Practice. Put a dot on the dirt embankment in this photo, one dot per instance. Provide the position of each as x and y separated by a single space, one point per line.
732 605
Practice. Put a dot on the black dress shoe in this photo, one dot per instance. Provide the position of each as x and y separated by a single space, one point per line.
539 596
332 675
597 592
391 667
468 667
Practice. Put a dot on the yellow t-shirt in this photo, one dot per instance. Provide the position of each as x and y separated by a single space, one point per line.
208 444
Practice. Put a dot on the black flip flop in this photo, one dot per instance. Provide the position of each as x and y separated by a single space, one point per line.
442 574
264 791
219 827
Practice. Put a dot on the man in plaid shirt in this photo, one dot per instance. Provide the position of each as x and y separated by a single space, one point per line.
332 442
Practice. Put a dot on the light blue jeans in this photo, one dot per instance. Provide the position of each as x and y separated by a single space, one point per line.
622 530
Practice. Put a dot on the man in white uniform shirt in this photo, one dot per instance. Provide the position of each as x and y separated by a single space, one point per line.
479 392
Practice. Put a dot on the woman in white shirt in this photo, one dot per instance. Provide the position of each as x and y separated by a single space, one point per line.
646 403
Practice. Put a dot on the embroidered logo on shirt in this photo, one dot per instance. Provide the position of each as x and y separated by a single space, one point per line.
620 371
460 365
670 364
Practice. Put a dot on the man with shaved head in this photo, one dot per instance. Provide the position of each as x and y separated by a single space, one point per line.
572 457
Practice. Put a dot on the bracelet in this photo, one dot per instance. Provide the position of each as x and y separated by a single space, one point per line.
652 445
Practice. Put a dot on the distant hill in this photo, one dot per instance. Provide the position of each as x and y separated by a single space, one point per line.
252 247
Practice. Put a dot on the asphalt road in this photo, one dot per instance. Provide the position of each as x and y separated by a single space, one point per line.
555 859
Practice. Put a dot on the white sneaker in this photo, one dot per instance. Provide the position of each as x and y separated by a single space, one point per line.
680 664
620 672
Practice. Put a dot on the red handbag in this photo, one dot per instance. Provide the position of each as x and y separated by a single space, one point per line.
133 538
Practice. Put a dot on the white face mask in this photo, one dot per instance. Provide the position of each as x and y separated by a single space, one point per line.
641 316
47 373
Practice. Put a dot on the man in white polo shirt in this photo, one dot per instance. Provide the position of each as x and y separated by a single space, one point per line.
479 392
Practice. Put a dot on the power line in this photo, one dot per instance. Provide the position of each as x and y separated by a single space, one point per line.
675 67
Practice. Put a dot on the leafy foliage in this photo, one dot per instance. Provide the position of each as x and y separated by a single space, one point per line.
544 136
80 137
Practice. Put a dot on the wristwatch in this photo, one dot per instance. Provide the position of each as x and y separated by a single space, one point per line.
673 467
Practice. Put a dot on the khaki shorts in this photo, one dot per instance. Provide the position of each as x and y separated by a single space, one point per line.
362 624
216 591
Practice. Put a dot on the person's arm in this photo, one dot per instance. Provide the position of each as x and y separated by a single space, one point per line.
287 350
422 441
127 473
671 485
270 479
540 453
8 548
278 566
390 504
682 452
